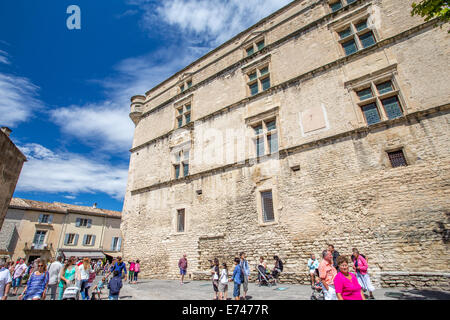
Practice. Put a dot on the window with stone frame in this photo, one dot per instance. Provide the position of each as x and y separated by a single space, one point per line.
258 80
336 5
355 36
267 206
181 220
266 137
397 158
45 218
181 166
256 46
183 114
379 101
39 237
185 85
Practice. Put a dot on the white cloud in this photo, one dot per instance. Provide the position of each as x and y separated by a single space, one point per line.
4 57
212 21
48 171
17 99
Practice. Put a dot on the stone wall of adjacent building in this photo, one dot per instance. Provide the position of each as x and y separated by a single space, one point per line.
11 162
345 191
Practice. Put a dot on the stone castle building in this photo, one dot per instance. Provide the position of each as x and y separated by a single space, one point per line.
36 229
326 122
11 163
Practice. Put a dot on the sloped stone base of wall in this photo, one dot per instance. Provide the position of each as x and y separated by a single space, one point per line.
416 280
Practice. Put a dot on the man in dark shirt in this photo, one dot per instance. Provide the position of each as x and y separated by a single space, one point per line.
335 255
114 286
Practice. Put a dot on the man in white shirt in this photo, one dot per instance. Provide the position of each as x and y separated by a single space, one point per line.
5 280
19 272
54 271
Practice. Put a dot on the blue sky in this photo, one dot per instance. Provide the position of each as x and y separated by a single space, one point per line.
65 93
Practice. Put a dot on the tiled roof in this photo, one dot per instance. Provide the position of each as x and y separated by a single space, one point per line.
60 207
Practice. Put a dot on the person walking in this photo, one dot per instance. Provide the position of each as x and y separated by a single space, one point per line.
327 272
37 284
131 271
183 264
223 282
19 272
114 286
137 269
346 283
245 269
54 271
361 267
67 276
82 277
237 279
313 264
91 279
121 267
335 255
215 278
5 280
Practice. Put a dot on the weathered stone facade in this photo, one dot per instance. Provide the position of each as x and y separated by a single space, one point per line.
11 162
331 178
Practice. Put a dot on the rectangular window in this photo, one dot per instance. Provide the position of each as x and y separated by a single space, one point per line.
266 131
250 51
273 143
70 238
185 169
189 84
260 45
180 220
335 6
344 34
44 218
371 113
181 163
267 206
385 87
115 243
392 107
361 26
265 83
367 39
183 115
187 117
260 146
350 47
87 239
180 121
254 88
365 94
397 158
252 76
39 237
177 171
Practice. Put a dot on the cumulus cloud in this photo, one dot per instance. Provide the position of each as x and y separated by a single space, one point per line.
53 172
18 98
212 21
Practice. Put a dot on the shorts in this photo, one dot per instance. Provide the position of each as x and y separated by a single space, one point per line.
34 297
216 285
329 294
237 290
223 287
183 271
16 282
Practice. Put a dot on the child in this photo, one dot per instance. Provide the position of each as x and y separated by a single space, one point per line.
114 286
237 279
223 282
97 290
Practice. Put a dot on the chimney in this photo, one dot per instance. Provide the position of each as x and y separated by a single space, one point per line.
95 205
6 130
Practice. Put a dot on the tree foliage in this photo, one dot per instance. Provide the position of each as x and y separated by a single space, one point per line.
430 9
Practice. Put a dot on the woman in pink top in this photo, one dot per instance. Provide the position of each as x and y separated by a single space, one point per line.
137 268
345 283
360 266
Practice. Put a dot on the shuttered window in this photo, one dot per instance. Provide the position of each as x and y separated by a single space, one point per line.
39 237
180 220
267 206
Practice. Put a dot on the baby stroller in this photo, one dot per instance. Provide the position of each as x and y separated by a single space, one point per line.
71 293
317 293
264 279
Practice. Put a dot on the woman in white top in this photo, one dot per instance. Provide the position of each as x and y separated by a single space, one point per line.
215 277
82 276
223 282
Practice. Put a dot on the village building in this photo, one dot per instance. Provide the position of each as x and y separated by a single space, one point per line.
11 162
35 229
325 123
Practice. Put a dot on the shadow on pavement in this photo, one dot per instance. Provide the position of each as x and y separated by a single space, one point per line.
415 294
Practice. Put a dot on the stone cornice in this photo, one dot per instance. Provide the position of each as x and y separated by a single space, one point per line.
307 75
284 153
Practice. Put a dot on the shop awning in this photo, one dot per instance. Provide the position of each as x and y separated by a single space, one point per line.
84 254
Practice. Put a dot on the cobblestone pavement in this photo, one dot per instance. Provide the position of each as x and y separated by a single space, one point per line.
202 290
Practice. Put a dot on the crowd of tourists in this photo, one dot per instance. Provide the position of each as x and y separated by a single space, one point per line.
331 276
57 277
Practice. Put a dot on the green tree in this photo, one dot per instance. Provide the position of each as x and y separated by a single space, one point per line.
431 9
